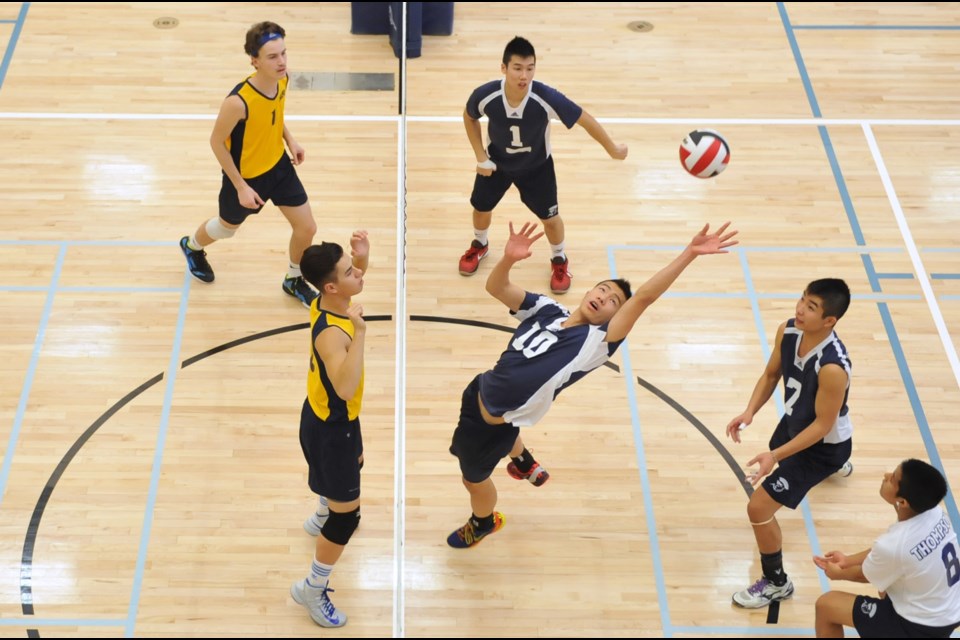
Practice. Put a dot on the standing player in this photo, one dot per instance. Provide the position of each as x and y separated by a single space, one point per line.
247 140
518 152
550 350
915 566
330 419
812 440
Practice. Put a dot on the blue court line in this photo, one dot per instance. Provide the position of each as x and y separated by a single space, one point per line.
950 297
842 186
8 21
630 379
105 289
892 336
767 630
12 44
762 249
778 398
90 243
59 622
92 289
795 47
878 27
791 295
31 371
945 276
171 378
855 296
919 415
895 276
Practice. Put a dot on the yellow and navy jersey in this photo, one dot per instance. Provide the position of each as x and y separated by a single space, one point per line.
256 143
324 401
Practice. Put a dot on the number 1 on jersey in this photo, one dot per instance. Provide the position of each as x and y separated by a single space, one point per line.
515 131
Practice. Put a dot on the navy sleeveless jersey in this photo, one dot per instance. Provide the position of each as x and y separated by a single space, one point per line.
801 382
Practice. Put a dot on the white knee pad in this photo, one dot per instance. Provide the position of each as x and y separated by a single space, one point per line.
217 231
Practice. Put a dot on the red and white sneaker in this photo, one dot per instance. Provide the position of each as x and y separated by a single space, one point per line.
537 475
560 275
470 260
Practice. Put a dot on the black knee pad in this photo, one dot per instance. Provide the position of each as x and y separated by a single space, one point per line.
339 527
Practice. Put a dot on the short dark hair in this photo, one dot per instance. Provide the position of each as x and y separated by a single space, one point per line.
519 47
622 283
319 264
835 295
260 34
921 485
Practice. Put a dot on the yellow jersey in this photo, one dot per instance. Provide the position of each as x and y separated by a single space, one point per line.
256 142
324 401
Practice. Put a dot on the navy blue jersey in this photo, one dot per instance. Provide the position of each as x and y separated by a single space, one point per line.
518 138
801 382
541 360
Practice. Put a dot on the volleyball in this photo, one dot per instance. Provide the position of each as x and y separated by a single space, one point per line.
704 153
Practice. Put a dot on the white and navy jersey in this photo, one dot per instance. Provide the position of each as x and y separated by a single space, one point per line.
917 563
518 138
801 382
541 360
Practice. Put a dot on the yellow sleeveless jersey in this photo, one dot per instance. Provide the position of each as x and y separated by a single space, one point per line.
256 143
326 404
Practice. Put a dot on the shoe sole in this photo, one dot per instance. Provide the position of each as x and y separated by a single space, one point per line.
199 279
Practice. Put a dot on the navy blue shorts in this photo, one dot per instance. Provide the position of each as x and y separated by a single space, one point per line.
537 187
479 446
332 451
280 184
795 476
876 618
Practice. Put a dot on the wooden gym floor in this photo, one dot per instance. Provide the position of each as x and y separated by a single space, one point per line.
152 482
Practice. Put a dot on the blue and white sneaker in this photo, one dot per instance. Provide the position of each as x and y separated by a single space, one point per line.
197 261
299 289
316 601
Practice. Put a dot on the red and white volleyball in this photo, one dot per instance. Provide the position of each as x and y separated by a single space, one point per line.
704 153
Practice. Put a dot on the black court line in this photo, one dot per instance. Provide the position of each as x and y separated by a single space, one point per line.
676 406
773 612
26 560
33 529
26 568
259 336
704 431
